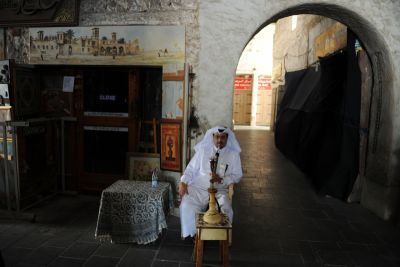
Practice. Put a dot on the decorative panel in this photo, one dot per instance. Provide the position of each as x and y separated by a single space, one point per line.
39 12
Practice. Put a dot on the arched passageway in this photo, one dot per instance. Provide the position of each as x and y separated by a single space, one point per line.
380 127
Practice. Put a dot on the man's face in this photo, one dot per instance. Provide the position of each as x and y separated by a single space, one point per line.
220 140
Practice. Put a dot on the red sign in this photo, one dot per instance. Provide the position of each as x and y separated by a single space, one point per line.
264 82
243 82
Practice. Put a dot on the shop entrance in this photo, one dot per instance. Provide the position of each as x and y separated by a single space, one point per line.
88 117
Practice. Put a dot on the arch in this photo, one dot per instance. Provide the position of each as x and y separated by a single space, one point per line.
382 118
377 51
367 34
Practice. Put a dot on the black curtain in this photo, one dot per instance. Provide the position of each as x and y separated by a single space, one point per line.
317 124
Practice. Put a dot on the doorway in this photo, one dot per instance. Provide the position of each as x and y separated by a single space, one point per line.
315 119
252 97
115 100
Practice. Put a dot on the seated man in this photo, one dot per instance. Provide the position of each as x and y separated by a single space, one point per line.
197 176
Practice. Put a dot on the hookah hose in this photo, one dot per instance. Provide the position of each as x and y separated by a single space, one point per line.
216 167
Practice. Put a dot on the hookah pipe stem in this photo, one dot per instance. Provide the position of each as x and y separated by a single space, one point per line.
213 165
216 161
216 156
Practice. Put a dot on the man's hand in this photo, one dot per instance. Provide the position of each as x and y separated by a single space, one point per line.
215 178
182 189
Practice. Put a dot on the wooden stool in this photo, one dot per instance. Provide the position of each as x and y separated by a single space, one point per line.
220 232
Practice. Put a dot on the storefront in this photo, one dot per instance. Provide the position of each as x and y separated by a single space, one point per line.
87 103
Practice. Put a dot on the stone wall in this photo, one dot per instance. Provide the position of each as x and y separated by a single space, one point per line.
295 49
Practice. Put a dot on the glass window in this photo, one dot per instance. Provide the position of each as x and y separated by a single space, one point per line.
106 92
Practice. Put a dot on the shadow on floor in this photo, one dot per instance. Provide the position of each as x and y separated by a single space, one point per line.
279 221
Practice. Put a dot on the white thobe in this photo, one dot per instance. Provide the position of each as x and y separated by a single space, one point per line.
197 177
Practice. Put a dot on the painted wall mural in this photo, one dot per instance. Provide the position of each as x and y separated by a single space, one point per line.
108 45
122 45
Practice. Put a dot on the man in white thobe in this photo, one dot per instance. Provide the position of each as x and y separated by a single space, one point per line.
197 176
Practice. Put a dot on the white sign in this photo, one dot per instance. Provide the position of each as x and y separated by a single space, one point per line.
4 91
68 84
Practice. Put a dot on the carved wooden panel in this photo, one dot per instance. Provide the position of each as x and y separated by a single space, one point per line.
39 12
26 92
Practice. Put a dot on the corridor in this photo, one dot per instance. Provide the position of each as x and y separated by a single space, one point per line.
279 221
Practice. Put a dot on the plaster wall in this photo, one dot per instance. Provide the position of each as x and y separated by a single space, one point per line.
226 27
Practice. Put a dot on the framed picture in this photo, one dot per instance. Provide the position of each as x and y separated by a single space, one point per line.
4 81
141 165
171 145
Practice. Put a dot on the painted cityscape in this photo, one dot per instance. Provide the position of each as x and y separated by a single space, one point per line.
125 45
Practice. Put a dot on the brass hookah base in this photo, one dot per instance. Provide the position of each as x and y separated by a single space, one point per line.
212 216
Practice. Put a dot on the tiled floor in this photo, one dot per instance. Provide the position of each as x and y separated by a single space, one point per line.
279 221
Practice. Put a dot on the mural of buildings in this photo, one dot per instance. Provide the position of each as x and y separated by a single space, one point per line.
121 45
64 43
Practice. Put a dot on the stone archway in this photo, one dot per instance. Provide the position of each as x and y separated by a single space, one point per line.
380 193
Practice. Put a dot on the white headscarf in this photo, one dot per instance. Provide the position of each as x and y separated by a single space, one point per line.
208 139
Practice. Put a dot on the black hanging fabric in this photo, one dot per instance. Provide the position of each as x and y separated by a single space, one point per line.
318 120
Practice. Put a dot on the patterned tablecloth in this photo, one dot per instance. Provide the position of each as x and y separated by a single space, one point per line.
133 211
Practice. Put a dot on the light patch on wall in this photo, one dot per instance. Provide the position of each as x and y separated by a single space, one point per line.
331 40
258 53
294 22
172 100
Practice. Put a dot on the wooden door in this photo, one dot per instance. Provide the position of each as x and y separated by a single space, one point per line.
264 100
242 99
107 125
263 107
242 107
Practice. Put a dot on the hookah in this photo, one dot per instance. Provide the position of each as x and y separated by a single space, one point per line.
212 216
